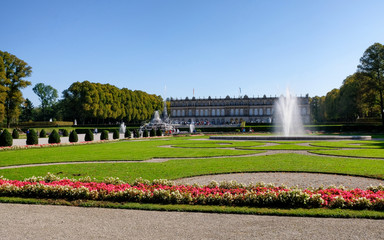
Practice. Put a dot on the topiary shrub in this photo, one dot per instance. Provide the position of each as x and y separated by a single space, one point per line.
54 137
116 134
145 133
88 136
127 133
136 133
159 132
153 132
6 139
65 133
104 135
32 137
15 134
42 134
73 136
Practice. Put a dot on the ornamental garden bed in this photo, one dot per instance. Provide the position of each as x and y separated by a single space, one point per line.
166 192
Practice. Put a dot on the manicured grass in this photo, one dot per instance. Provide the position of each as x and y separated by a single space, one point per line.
175 169
367 153
123 150
298 212
284 147
218 144
349 144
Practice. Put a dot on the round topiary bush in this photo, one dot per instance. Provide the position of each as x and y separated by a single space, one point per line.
73 136
15 134
116 134
127 133
145 133
88 136
153 132
32 137
65 133
54 137
6 139
104 135
159 132
42 134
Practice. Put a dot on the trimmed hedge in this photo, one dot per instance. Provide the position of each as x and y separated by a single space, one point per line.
15 134
32 138
116 134
54 137
159 132
65 133
73 137
145 133
6 139
42 134
88 135
104 135
153 132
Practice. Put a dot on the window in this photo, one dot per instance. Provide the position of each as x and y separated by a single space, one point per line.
241 112
250 111
260 111
213 112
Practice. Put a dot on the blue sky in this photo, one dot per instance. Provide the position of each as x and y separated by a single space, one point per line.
214 47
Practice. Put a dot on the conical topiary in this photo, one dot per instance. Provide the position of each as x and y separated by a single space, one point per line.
159 132
42 134
145 133
54 137
104 135
73 136
32 137
65 133
6 139
153 132
116 134
88 136
15 134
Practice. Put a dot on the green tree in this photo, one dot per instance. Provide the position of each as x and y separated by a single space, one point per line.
14 70
47 95
6 139
54 137
27 111
372 64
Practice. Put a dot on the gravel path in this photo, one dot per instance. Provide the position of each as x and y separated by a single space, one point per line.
303 180
62 222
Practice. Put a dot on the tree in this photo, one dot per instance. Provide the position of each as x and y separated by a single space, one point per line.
13 71
372 64
47 95
26 111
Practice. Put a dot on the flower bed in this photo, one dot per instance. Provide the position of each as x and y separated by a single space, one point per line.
163 191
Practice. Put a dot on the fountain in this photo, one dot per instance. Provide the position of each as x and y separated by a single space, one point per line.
191 128
287 117
157 123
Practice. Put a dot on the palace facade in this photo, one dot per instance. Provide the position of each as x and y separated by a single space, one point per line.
219 111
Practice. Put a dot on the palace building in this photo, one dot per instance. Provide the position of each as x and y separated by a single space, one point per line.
220 111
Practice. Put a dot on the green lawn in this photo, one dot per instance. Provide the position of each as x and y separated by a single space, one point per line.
367 153
350 144
123 150
175 169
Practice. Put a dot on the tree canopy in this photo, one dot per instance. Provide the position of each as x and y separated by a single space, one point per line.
12 73
96 103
